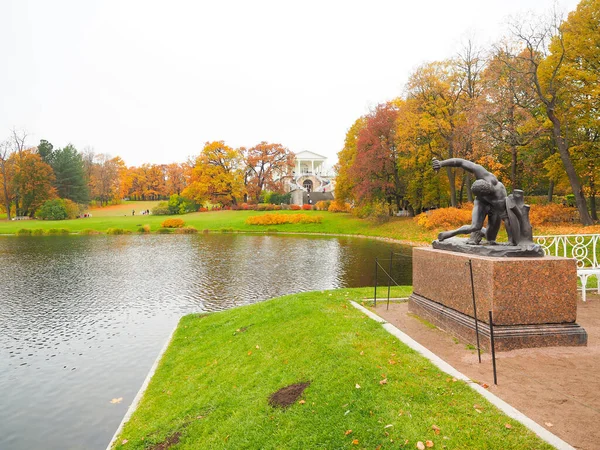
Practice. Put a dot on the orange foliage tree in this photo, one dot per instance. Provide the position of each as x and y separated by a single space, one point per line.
265 165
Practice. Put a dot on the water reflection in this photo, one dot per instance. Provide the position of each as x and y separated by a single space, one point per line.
82 318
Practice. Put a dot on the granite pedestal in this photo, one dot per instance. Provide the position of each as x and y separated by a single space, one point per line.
533 300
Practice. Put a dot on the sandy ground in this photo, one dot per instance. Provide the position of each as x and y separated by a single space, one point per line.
558 387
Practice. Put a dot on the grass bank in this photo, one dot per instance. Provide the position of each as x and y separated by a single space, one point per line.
367 390
404 229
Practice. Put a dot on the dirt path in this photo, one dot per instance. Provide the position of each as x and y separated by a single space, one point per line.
558 387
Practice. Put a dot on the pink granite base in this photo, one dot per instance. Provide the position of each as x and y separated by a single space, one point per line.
533 300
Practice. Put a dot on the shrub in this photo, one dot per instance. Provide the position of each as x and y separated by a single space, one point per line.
323 205
172 223
164 230
162 209
57 209
295 207
203 209
144 229
117 231
277 207
339 207
186 230
226 230
58 231
285 207
552 214
38 232
24 232
181 205
307 207
89 232
444 218
281 219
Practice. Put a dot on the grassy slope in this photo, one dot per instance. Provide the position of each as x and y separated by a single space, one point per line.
397 228
213 383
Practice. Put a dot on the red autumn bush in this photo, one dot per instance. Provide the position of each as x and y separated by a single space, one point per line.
295 207
307 207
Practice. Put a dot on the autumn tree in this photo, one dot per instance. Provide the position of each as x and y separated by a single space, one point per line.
33 179
176 179
510 109
544 68
437 88
375 168
217 175
5 151
104 179
266 164
344 181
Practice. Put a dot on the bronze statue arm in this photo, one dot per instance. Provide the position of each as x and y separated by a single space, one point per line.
476 169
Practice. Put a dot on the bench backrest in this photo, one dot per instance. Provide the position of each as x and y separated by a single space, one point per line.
583 247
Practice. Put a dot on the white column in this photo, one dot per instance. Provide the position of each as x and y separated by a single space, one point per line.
298 170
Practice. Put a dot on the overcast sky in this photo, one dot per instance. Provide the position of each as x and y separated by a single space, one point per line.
153 81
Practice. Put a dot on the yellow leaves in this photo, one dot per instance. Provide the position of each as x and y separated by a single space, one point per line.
116 400
478 408
355 442
420 445
508 426
347 432
435 429
302 402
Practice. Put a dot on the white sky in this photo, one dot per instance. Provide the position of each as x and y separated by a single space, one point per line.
153 81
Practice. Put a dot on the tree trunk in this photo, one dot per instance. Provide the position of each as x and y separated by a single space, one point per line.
5 185
550 191
593 211
462 188
563 150
451 178
513 167
469 192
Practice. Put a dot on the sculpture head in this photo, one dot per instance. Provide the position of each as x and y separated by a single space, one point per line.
481 187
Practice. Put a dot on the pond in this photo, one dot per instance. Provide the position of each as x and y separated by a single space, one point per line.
82 318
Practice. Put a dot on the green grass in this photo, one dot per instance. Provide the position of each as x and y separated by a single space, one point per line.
212 386
235 221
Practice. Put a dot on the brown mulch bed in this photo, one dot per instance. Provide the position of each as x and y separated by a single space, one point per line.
558 387
288 395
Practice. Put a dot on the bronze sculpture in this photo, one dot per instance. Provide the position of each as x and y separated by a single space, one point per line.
491 201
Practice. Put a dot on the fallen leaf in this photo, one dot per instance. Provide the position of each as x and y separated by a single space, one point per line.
454 380
250 352
387 426
428 444
436 429
362 353
420 445
508 425
348 432
384 381
357 386
383 375
355 442
391 362
548 424
124 441
485 386
477 408
116 400
302 402
257 347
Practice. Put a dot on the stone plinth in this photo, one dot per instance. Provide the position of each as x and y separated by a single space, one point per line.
533 300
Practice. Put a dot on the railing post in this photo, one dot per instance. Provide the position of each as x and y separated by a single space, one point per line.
493 346
375 293
470 263
390 278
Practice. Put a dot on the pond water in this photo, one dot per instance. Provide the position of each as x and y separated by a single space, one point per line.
82 318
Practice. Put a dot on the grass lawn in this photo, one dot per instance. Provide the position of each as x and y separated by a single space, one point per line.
114 217
367 389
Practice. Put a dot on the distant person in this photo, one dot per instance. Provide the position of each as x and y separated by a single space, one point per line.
133 212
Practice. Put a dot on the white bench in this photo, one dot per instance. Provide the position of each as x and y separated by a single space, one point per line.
584 248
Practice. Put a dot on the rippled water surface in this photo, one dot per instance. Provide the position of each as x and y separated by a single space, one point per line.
82 318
